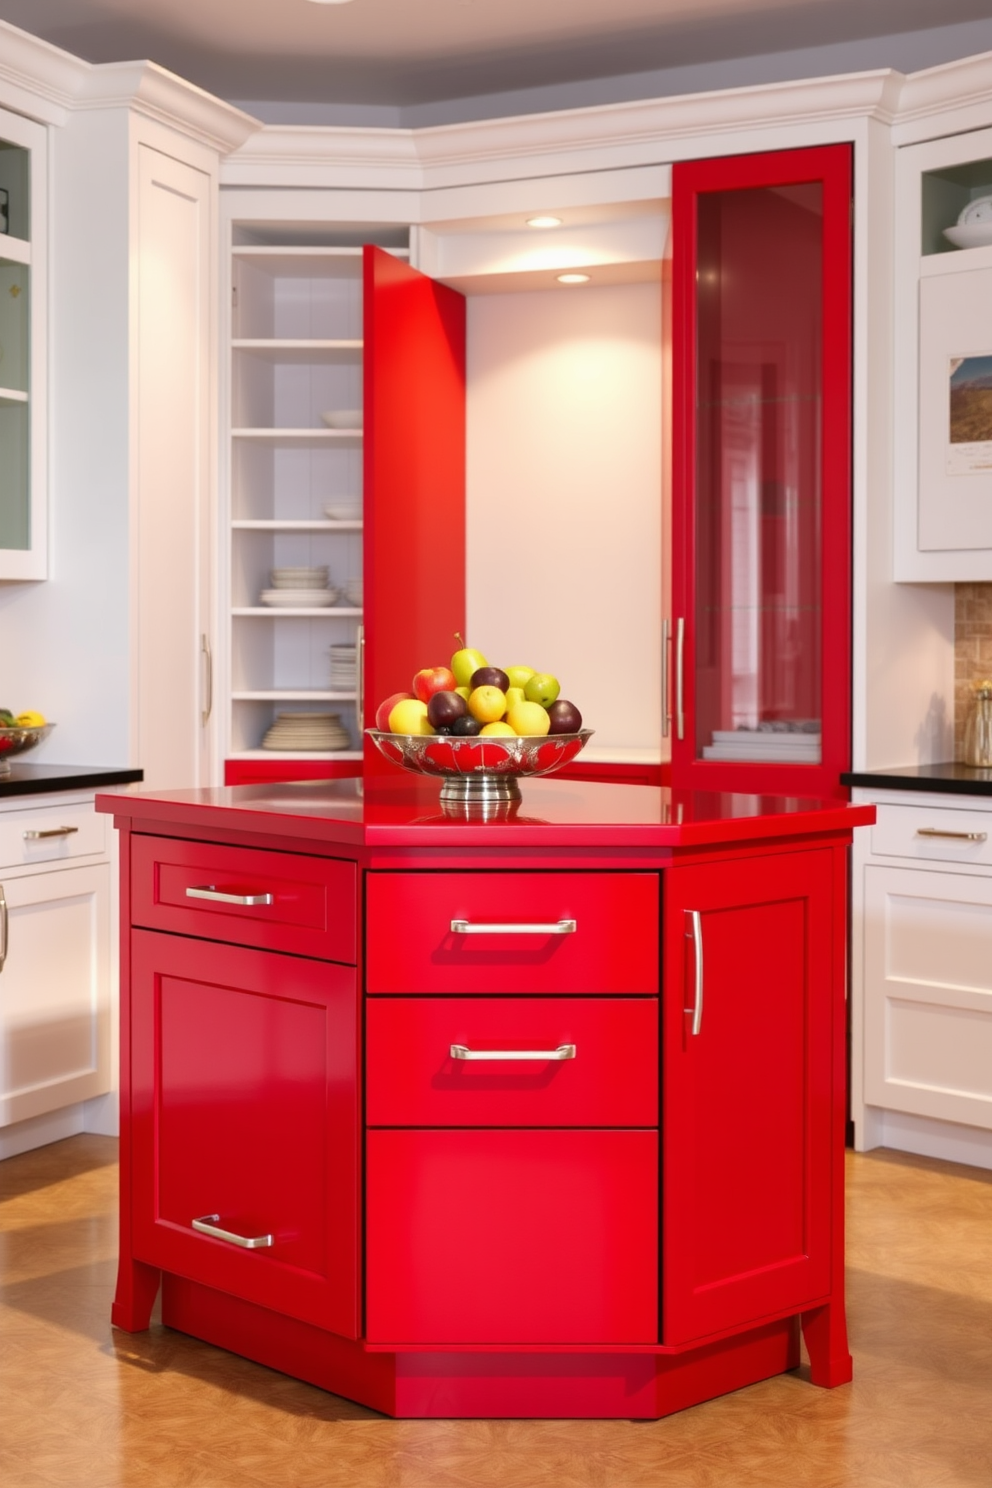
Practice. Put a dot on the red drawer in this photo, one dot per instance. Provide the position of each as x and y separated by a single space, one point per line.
414 943
512 1237
611 1078
313 900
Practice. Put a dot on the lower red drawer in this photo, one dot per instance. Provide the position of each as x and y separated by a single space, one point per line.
609 1077
512 1237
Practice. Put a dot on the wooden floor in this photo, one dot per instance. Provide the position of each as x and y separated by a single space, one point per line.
84 1407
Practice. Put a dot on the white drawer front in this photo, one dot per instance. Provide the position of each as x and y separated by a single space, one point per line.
37 835
941 834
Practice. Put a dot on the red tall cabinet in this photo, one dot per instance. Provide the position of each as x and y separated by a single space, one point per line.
760 454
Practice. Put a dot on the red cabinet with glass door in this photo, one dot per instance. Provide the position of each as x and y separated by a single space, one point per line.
759 677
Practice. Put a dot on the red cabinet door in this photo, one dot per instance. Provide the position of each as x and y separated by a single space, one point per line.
747 1090
761 457
512 1236
245 1108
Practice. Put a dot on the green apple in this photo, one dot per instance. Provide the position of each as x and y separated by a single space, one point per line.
542 688
465 663
519 676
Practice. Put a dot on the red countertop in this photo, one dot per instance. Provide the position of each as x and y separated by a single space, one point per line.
405 811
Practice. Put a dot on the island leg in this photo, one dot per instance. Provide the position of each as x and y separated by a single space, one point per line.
825 1333
137 1288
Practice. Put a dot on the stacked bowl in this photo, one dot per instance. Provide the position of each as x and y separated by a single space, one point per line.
299 588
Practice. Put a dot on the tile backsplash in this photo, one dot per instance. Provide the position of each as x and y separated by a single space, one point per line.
972 649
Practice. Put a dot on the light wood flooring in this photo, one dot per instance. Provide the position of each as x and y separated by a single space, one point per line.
82 1406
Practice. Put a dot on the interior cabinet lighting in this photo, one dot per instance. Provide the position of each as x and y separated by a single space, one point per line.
544 222
573 278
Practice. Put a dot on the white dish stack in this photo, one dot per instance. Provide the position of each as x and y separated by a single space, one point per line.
343 673
306 733
299 588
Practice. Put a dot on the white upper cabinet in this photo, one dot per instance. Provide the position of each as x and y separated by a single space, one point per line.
943 342
23 440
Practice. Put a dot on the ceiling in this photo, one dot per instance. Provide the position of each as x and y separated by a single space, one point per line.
415 52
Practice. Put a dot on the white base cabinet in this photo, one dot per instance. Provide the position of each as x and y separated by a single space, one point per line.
56 978
922 979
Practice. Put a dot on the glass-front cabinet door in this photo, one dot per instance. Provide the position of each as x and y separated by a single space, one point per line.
760 627
23 542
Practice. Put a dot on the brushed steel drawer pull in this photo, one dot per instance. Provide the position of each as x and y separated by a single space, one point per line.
563 1051
51 832
207 891
694 933
559 927
958 836
4 927
208 1226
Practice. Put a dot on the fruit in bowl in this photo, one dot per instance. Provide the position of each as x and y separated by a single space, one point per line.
20 733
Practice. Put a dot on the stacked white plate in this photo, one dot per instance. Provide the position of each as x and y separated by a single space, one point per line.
299 589
786 746
354 589
306 732
344 509
342 668
300 578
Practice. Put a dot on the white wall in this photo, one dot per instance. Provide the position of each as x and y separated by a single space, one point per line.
564 496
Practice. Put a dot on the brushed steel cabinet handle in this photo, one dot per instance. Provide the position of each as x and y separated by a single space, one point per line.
49 832
360 679
563 1051
958 836
208 1226
4 927
208 657
680 678
559 927
666 711
207 891
694 932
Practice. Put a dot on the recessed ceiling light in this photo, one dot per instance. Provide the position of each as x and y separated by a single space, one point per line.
544 222
573 278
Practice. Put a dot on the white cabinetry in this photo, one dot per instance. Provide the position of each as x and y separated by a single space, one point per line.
55 980
922 990
23 338
943 329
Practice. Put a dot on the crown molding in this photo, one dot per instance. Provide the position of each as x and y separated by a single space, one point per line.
949 99
293 155
38 79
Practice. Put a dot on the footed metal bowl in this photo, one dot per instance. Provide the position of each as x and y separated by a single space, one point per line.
15 740
480 767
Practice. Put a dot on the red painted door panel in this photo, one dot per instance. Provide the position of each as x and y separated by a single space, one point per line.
746 1107
414 360
413 1080
312 913
245 1106
512 1236
411 946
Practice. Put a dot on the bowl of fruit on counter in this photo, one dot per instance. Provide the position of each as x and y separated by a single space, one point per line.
479 727
18 733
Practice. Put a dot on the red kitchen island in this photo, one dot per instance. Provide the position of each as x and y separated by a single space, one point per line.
541 1115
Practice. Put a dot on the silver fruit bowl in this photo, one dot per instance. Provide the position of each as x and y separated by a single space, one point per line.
480 767
14 740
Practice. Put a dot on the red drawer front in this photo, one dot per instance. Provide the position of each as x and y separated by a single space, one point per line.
512 1236
412 1079
313 908
411 946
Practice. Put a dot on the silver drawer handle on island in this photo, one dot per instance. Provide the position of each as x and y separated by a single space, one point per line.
207 891
958 836
208 1226
563 1051
51 832
3 927
558 927
694 932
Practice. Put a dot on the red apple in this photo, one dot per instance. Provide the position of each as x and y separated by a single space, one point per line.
430 680
384 709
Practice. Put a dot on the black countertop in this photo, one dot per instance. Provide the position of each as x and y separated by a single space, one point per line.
35 780
948 778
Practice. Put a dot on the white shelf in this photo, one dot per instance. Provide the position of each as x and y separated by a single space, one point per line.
300 695
12 395
314 437
315 612
318 525
15 250
303 352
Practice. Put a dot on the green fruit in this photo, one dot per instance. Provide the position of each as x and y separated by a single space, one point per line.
542 688
519 676
7 719
465 663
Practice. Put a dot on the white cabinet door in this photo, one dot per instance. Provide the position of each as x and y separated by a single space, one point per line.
928 993
54 990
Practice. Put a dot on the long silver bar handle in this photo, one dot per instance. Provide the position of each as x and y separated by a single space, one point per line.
209 708
559 927
563 1051
680 678
666 711
695 934
360 679
4 927
49 832
207 891
208 1226
958 836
